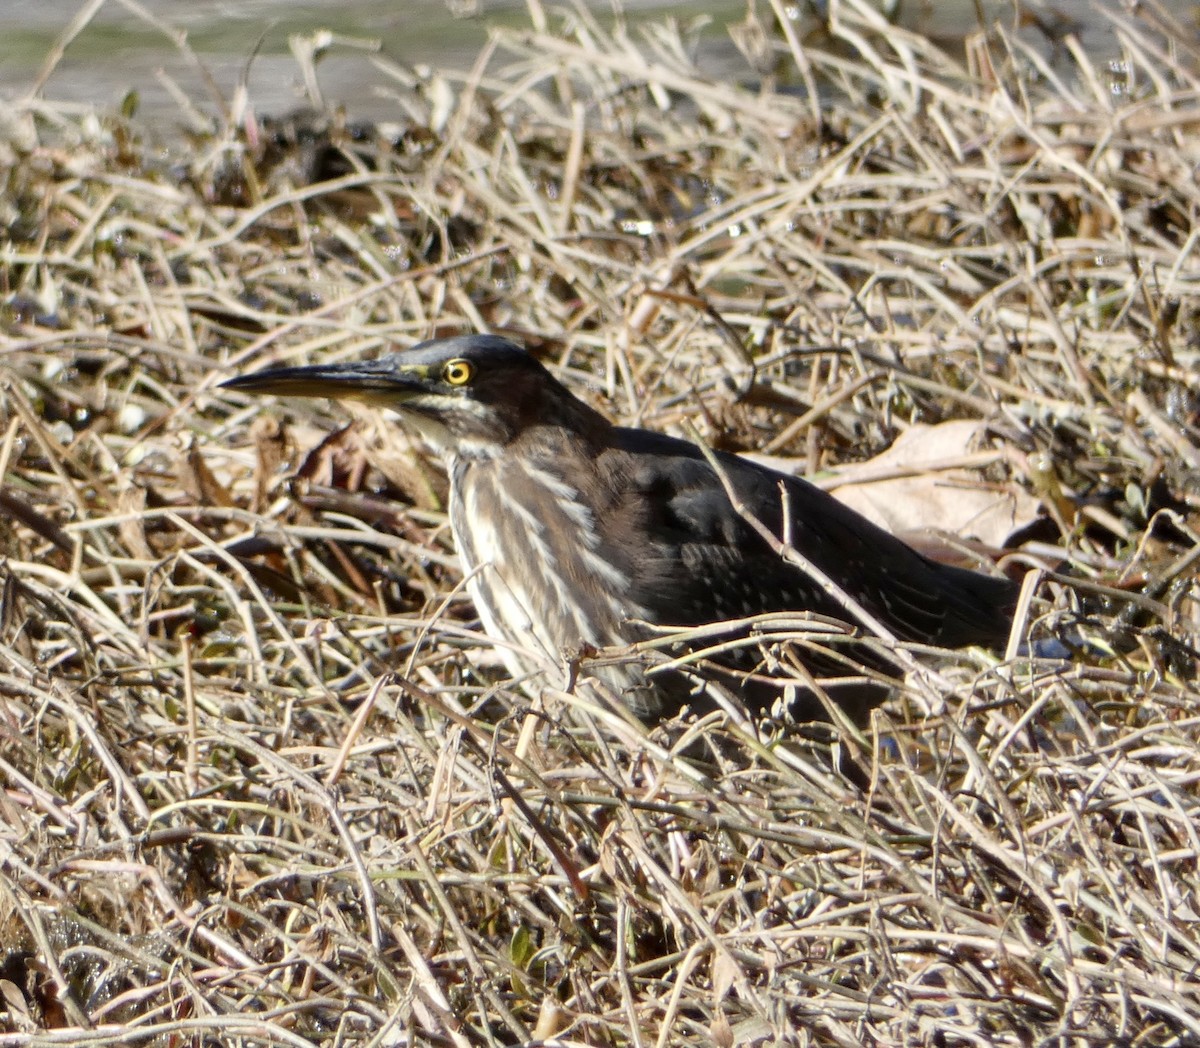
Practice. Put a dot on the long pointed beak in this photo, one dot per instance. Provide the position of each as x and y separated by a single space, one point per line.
370 380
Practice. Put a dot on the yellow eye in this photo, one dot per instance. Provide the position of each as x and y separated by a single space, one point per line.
458 372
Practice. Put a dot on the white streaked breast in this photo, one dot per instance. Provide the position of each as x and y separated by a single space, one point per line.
529 548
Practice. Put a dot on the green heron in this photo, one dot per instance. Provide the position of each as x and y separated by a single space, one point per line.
575 533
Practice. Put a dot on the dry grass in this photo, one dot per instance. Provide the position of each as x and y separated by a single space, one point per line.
263 780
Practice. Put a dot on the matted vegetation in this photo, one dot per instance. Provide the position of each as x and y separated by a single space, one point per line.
264 780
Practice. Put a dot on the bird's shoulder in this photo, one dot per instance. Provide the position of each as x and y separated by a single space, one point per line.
704 560
690 490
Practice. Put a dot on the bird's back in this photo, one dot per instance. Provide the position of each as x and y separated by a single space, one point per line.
723 568
706 562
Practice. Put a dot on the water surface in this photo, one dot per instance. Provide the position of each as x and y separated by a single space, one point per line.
236 41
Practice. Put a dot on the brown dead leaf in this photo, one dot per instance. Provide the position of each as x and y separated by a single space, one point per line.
928 482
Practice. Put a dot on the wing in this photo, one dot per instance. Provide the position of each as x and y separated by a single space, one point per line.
707 563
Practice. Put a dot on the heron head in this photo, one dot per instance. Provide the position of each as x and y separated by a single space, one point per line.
471 394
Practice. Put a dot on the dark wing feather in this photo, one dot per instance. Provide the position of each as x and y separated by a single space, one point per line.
721 568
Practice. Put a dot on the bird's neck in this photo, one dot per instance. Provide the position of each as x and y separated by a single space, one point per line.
560 431
563 447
